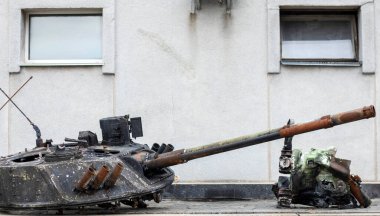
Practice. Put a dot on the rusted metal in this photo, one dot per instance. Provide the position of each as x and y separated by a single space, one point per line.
354 115
166 159
329 121
184 155
100 176
85 180
111 181
340 170
354 183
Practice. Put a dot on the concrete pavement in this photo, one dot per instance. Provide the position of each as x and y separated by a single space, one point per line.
225 207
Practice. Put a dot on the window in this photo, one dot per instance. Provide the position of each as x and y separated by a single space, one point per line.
319 38
63 37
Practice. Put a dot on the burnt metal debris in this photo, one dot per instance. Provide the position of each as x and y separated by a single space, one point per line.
318 178
83 172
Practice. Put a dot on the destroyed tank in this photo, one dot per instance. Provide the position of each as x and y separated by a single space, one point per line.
84 172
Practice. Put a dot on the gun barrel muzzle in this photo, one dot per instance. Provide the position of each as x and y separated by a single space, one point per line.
329 121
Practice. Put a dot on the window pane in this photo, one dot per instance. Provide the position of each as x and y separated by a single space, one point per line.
65 37
317 39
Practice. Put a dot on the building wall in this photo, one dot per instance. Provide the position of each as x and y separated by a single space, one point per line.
61 101
377 85
4 76
196 79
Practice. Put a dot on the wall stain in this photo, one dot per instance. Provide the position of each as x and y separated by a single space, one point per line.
162 44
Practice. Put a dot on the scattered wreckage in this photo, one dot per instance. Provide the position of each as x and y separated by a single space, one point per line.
85 172
317 178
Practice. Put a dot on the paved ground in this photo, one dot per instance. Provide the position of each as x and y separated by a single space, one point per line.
241 207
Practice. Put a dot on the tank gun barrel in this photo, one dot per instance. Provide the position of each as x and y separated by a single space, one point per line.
184 155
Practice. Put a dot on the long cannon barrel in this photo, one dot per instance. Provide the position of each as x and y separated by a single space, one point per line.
184 155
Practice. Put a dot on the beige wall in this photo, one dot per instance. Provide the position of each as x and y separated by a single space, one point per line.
61 101
4 76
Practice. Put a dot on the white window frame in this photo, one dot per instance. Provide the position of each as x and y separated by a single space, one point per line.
366 29
57 62
320 17
16 27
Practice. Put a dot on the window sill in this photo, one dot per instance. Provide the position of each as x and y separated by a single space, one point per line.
322 64
61 64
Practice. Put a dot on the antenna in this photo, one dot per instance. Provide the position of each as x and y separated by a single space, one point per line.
39 141
9 99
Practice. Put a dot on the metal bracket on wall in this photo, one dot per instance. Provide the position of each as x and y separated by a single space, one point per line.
228 6
196 5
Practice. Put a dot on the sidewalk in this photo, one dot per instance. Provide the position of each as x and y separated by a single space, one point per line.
241 207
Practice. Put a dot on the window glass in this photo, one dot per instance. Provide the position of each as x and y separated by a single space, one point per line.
65 37
317 39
